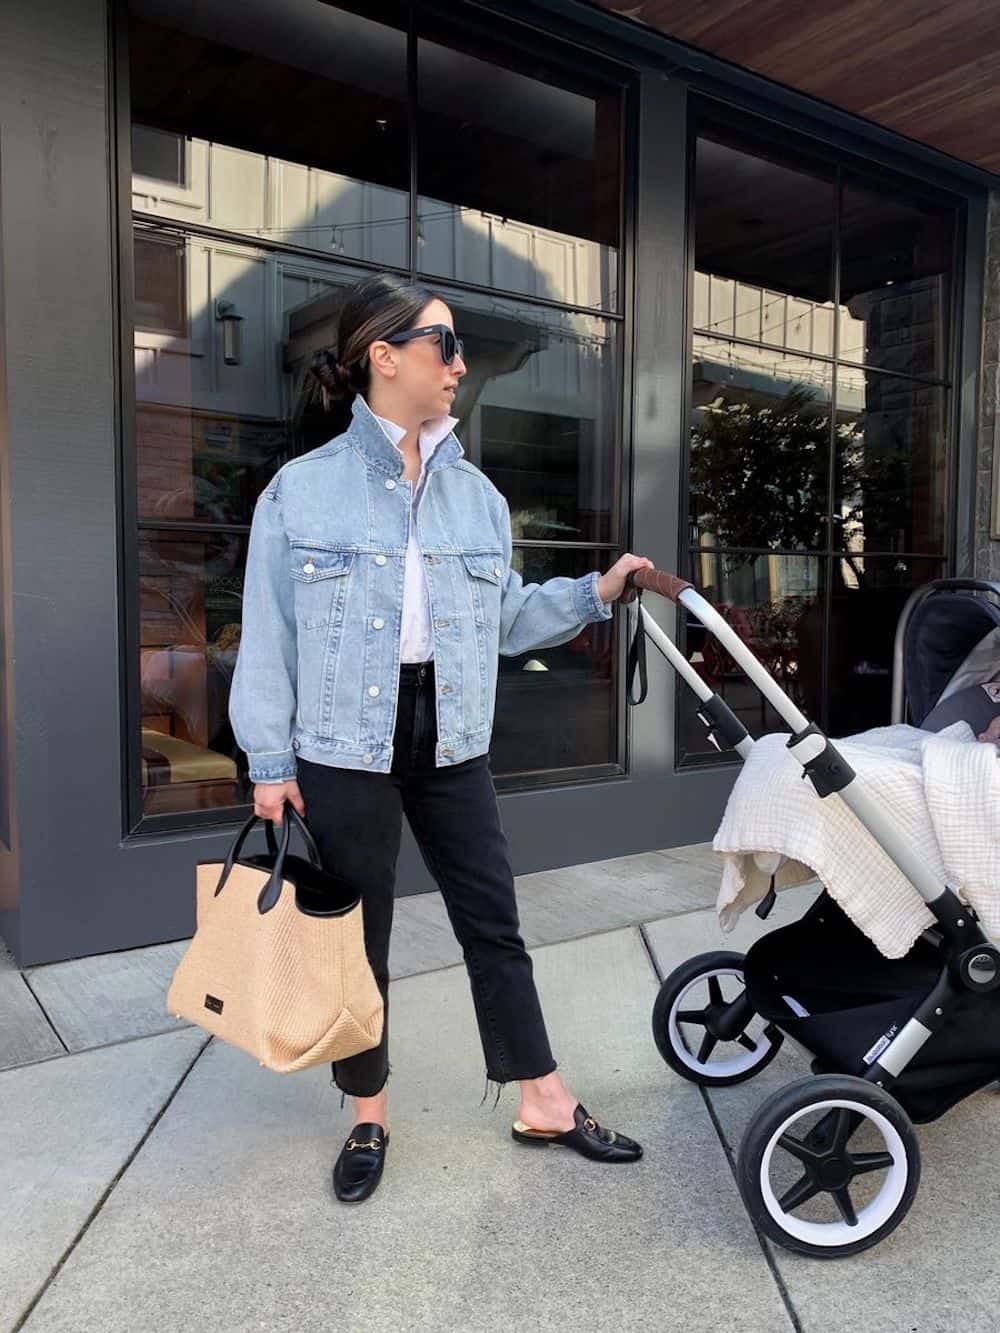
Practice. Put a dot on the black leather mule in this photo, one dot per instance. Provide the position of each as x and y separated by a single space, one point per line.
588 1138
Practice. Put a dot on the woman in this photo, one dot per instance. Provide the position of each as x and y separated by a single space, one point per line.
378 594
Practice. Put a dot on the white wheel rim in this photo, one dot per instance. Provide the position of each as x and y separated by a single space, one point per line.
737 1064
874 1215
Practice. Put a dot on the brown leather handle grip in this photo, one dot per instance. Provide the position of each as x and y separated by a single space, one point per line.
656 580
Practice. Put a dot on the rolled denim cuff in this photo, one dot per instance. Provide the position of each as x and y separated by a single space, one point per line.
587 600
278 767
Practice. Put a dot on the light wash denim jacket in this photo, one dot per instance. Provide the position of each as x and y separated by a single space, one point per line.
318 665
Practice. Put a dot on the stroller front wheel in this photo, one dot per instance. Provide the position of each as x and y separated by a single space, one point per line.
702 1022
829 1166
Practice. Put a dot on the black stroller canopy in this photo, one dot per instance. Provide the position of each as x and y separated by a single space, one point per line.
943 631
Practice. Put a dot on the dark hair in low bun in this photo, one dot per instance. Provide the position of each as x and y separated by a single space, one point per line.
331 376
374 308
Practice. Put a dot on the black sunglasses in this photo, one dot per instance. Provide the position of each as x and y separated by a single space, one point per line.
449 344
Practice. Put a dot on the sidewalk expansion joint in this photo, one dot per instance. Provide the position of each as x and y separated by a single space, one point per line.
45 1012
106 1194
765 1247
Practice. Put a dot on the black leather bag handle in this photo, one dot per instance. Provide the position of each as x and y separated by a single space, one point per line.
307 837
271 891
235 848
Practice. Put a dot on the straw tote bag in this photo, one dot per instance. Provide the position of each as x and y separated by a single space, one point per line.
277 965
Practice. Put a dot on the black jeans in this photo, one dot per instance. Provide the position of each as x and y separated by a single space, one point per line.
356 819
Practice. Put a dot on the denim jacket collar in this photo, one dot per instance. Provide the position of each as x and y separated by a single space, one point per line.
375 446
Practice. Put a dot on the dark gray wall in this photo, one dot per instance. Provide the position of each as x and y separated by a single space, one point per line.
9 892
82 886
61 437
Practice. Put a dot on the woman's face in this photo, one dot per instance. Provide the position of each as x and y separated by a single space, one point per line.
419 378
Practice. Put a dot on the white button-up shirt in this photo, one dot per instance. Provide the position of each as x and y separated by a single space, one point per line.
417 636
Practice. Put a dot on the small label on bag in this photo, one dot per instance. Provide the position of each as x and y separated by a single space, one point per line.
214 1003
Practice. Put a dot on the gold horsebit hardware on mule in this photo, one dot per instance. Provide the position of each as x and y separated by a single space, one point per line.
591 1124
352 1144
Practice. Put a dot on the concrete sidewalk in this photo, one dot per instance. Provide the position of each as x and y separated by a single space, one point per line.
153 1179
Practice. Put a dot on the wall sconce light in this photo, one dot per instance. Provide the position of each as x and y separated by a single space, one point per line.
232 336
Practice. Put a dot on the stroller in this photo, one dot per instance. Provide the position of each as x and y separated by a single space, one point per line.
829 1165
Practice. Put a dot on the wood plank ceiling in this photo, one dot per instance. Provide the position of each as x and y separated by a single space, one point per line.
925 68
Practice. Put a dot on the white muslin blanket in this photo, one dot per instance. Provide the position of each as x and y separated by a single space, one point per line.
941 791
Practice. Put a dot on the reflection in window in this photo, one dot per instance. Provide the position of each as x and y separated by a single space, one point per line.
519 173
556 707
327 166
208 438
545 465
794 446
160 156
892 464
760 447
896 260
534 458
190 590
556 466
764 221
775 604
160 284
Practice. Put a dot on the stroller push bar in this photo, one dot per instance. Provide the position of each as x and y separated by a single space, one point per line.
828 771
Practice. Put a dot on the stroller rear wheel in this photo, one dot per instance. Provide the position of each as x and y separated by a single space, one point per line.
829 1166
703 1023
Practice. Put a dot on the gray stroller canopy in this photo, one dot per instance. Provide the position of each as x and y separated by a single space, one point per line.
952 642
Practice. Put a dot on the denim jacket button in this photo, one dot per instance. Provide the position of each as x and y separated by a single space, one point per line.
367 758
390 485
446 689
378 623
380 560
374 691
447 751
309 567
441 624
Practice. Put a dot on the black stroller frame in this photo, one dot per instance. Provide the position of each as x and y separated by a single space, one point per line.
938 989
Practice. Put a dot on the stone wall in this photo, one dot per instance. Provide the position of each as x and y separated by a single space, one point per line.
987 550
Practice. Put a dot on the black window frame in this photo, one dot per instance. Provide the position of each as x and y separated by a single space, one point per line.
707 112
136 823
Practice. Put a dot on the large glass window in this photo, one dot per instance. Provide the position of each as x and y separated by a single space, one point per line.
283 123
271 159
818 474
519 171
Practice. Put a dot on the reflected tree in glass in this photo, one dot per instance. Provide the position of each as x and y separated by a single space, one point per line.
759 478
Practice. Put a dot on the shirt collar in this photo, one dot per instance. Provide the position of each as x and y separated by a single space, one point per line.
431 433
378 439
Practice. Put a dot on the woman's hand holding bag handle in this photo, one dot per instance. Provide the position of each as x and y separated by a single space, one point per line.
270 799
277 965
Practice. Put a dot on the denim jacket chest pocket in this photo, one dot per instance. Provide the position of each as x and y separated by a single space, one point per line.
320 578
484 572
